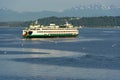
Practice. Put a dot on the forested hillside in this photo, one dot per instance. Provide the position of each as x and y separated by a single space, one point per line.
76 21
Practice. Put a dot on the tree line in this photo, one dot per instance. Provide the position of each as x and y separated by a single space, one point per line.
104 21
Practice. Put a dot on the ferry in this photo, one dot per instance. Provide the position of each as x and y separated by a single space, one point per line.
36 30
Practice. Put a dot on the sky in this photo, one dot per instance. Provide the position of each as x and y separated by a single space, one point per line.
51 5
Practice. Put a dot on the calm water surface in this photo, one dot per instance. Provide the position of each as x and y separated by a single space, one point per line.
93 55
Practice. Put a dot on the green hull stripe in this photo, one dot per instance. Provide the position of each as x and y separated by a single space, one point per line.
50 36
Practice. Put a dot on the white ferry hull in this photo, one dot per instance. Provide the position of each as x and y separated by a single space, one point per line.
26 34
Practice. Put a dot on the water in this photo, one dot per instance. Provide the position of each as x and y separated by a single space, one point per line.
93 55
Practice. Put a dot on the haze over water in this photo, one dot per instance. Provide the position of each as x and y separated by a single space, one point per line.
93 55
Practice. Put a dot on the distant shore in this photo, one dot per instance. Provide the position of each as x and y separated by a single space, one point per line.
100 22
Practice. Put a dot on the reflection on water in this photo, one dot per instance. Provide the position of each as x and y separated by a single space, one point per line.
40 52
93 55
57 40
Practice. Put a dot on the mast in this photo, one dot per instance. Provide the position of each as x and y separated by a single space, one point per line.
36 22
